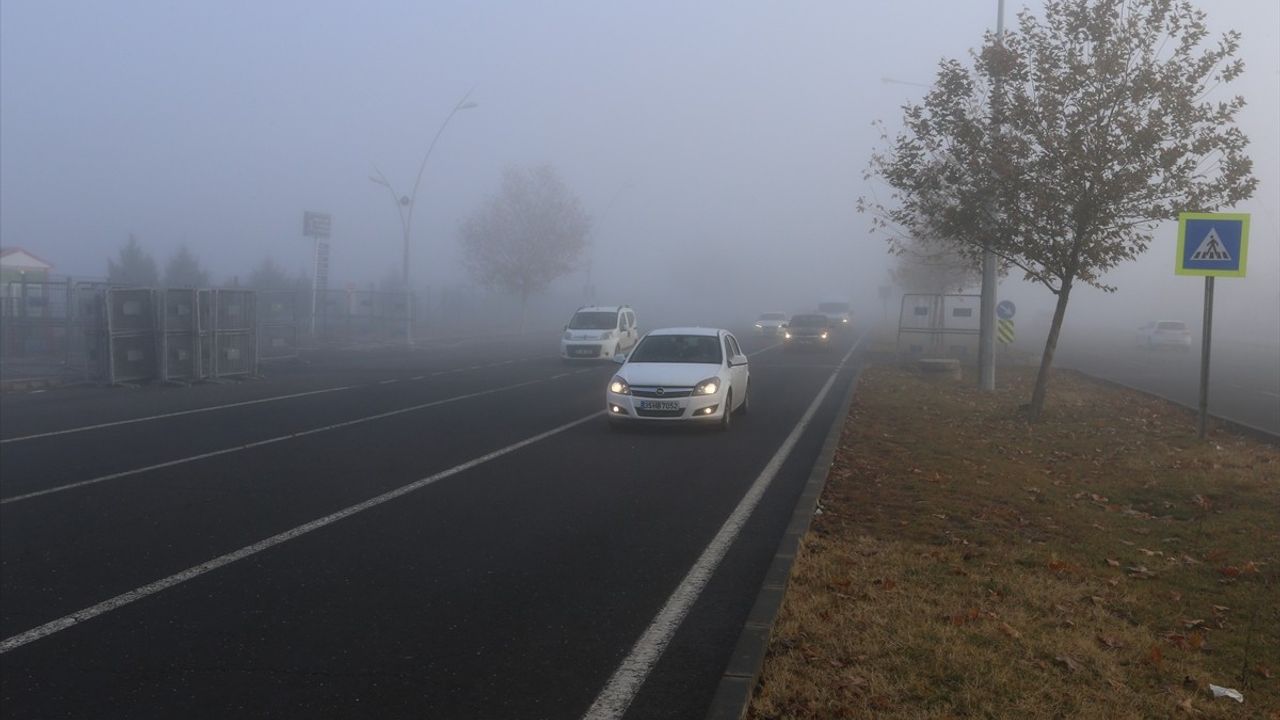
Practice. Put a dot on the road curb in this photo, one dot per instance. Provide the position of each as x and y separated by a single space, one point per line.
733 692
1236 426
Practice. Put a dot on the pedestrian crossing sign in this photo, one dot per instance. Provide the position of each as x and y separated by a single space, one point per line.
1212 244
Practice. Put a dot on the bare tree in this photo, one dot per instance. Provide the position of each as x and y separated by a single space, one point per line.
525 236
1063 149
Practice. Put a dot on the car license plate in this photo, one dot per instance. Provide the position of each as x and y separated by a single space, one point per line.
659 405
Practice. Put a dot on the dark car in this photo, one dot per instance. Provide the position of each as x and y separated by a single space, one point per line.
811 330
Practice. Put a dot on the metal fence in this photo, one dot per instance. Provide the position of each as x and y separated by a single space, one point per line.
939 326
235 333
131 335
52 327
278 337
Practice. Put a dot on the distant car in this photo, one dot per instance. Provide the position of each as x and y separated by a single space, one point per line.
599 332
808 330
837 312
770 323
697 375
1164 334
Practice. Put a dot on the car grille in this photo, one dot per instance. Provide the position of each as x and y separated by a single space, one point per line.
652 392
584 350
659 413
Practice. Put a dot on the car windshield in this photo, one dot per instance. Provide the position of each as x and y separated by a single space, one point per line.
593 320
678 349
1171 326
773 316
834 307
810 321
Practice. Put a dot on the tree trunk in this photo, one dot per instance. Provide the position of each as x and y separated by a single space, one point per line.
1050 347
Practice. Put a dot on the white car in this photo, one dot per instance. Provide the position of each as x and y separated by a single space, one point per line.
770 323
837 312
1165 334
695 375
600 332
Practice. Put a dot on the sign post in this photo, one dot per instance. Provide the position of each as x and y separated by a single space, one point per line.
316 226
1211 245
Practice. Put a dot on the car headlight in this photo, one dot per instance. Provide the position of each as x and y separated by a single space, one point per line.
568 335
759 325
710 386
824 334
787 335
618 386
844 320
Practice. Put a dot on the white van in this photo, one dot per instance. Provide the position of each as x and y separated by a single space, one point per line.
599 332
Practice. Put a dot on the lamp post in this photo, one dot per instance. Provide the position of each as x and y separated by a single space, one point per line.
987 306
404 210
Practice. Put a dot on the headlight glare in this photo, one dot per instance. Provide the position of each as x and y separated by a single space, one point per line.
618 386
710 386
787 335
824 334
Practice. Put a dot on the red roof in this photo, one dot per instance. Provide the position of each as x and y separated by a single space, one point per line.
5 252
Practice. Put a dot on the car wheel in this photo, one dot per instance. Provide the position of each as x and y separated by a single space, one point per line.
745 407
726 418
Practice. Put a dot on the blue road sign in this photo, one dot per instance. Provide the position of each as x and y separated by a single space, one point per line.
1212 244
1006 310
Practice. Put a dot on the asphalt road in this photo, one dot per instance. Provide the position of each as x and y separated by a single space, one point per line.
1244 378
452 533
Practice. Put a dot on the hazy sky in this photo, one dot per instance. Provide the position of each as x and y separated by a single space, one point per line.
738 131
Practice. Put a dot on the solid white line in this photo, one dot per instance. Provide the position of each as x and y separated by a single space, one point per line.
268 441
123 599
388 381
417 377
613 700
192 411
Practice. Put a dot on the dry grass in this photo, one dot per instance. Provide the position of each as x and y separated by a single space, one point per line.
1103 564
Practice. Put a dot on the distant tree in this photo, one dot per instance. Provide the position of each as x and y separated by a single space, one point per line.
134 266
183 270
932 267
269 276
1063 150
527 235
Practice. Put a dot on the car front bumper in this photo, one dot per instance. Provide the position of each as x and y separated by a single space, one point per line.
588 349
629 408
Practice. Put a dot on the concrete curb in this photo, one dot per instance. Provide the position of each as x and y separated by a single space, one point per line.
31 384
1235 426
733 692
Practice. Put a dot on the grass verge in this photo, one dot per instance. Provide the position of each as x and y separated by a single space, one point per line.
1102 563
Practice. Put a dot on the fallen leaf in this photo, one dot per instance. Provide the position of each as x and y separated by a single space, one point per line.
1113 563
1068 662
1186 707
1262 670
1154 656
1220 608
1139 571
1009 630
1229 571
1109 642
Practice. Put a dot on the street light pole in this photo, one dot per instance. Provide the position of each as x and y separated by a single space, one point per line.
404 210
987 310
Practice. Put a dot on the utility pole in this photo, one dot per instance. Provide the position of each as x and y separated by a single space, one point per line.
987 311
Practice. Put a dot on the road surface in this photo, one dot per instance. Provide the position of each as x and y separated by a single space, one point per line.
452 533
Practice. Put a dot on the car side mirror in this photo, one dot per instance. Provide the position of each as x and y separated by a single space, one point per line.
620 358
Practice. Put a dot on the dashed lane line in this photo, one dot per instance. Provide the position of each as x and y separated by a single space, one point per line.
273 440
191 573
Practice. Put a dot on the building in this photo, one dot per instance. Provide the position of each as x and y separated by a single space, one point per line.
18 265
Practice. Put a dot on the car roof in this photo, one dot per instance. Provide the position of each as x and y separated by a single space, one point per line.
687 331
603 308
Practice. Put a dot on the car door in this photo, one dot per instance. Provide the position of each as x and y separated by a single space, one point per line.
630 319
738 367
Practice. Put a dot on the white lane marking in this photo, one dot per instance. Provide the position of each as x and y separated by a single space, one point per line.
770 347
1268 392
211 408
177 413
388 381
418 377
268 441
613 700
152 588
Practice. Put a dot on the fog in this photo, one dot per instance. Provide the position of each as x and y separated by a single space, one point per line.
719 147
